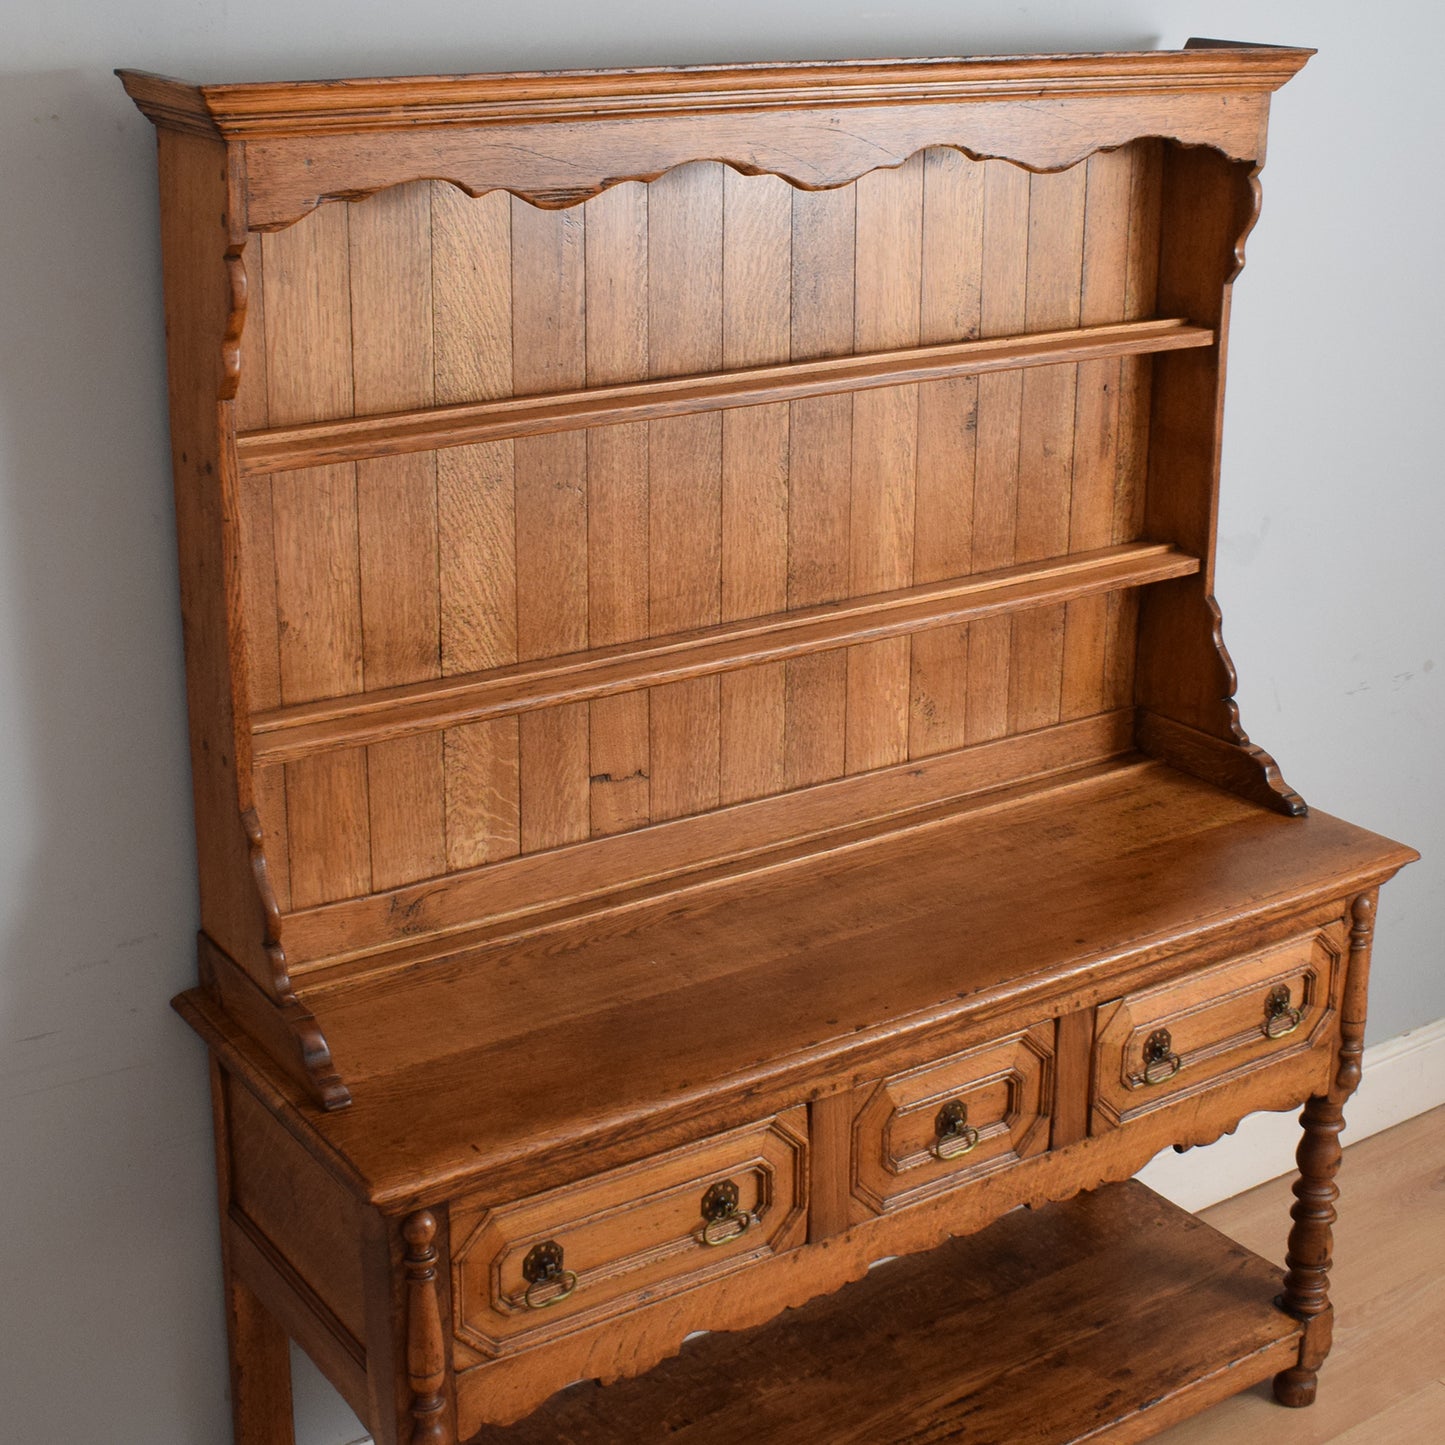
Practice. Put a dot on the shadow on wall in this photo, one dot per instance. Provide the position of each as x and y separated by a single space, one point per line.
108 1205
107 1209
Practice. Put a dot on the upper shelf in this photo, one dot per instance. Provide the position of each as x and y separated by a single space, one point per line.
315 444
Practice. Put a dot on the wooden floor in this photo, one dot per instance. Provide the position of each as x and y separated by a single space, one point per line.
1385 1379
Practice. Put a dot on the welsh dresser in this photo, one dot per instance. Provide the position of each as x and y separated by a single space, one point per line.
714 756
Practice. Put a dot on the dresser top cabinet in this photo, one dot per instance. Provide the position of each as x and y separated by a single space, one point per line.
692 571
699 598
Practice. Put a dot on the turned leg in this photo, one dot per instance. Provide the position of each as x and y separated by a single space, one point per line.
260 1370
431 1419
1311 1239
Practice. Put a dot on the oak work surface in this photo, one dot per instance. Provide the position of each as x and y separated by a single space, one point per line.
715 757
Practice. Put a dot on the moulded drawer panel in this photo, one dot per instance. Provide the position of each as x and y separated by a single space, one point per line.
1171 1041
628 1236
933 1127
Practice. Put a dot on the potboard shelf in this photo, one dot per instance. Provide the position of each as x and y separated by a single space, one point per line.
1117 1293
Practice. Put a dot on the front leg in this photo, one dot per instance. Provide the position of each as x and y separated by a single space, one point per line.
1308 1259
260 1369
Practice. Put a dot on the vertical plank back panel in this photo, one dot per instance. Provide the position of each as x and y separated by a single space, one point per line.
617 503
1002 298
392 366
476 515
888 258
549 353
1046 439
757 297
819 477
315 532
685 273
1135 384
423 565
951 284
1096 441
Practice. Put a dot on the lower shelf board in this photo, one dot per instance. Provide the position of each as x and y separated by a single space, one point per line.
1108 1317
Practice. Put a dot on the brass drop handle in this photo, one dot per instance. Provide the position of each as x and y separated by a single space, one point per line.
1281 1017
1161 1063
723 1220
956 1136
549 1281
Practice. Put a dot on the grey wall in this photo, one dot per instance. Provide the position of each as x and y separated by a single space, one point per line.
1332 523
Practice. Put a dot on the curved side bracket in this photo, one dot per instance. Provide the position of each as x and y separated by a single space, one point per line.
235 322
1225 757
274 1015
1186 681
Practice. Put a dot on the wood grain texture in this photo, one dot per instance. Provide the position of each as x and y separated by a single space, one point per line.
572 563
685 260
471 289
756 455
395 712
950 296
389 246
1004 289
311 143
393 433
824 238
433 913
1046 439
1141 842
317 551
276 108
1093 473
549 350
618 504
887 252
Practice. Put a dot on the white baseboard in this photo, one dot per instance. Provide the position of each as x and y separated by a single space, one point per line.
1403 1077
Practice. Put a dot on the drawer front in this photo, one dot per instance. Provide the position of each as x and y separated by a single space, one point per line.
930 1128
1170 1041
539 1267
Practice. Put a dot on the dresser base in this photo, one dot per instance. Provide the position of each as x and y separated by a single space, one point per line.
1108 1317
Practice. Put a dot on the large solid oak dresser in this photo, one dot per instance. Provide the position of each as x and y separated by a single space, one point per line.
714 757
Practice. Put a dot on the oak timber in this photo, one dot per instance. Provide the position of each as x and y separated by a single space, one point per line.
324 442
283 735
656 1021
943 1347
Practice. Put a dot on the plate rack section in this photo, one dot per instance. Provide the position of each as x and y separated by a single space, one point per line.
596 524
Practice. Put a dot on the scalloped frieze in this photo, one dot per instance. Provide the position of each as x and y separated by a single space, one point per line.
555 164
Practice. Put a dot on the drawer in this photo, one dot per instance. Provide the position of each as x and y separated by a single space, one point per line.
555 1262
927 1129
1170 1041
